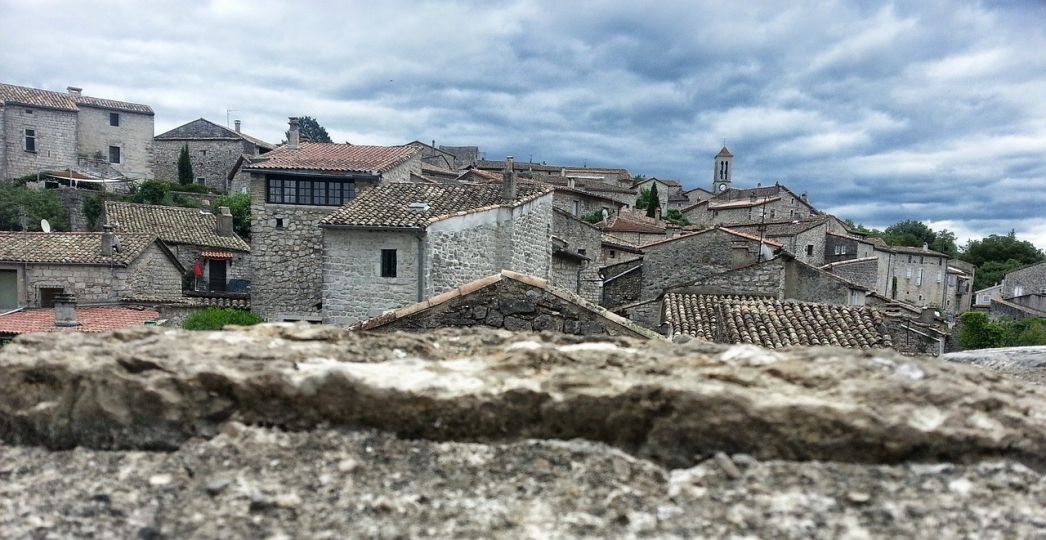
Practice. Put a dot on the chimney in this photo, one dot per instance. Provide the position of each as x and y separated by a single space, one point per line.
926 247
237 124
223 227
64 310
293 134
803 196
508 182
74 91
657 213
571 182
107 240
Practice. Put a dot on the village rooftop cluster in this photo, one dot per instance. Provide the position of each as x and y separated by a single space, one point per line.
419 236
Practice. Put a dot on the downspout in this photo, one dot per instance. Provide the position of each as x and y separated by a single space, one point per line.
421 266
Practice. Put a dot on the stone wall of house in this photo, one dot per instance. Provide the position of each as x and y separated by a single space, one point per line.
237 268
623 283
686 259
72 200
212 160
462 249
911 341
152 275
353 289
647 314
134 136
929 291
56 141
578 204
530 247
285 261
864 273
837 248
807 284
515 306
401 173
765 279
584 239
1027 280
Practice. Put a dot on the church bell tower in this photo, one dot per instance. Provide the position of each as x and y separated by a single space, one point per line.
723 171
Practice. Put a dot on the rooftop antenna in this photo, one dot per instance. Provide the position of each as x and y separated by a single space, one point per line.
228 114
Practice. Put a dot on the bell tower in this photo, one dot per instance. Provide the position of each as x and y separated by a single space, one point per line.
723 171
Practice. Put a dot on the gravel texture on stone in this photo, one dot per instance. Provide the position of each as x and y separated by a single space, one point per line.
263 483
1025 363
152 389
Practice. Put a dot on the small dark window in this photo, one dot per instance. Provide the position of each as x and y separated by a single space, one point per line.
114 119
200 180
114 154
279 223
809 249
581 251
28 111
30 140
47 295
613 254
388 263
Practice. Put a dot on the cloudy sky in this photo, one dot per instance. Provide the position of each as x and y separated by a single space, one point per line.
924 110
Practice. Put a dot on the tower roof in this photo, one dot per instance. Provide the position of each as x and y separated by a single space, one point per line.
724 153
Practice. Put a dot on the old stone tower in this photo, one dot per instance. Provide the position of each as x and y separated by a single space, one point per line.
723 171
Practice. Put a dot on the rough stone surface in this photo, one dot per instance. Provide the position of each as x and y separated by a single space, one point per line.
152 389
260 483
1027 363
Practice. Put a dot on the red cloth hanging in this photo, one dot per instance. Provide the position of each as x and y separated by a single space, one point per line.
197 269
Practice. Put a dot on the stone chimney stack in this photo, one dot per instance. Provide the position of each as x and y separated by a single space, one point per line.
508 182
224 222
657 213
294 133
926 247
571 182
65 310
74 91
237 124
107 240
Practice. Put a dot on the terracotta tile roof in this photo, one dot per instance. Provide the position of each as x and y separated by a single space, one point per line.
620 224
203 129
70 248
744 203
100 103
622 324
334 157
779 227
90 319
388 205
173 225
773 323
63 101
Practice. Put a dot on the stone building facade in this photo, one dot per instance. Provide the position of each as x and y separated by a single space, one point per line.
286 240
41 265
42 130
842 247
913 275
214 151
785 278
1023 281
622 282
511 301
863 271
575 265
750 205
380 254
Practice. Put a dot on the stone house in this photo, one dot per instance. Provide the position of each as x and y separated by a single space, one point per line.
864 271
195 236
783 277
294 187
41 130
773 203
631 228
959 297
1030 279
844 247
397 244
983 297
697 195
93 267
913 275
665 188
569 195
622 282
511 301
576 255
805 239
215 152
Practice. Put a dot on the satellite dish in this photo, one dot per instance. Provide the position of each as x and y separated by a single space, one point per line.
45 226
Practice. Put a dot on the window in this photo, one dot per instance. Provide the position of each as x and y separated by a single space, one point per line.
837 250
576 207
388 263
201 180
772 212
28 111
30 140
114 154
919 278
279 223
613 254
114 119
909 259
581 251
809 249
939 278
47 295
287 190
908 273
1018 290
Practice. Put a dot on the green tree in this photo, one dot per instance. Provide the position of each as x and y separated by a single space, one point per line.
945 243
909 233
185 174
310 130
654 203
1001 248
240 206
978 332
676 217
593 217
93 211
37 205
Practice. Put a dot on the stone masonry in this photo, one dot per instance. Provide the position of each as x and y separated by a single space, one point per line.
56 145
1028 280
212 160
352 284
134 137
686 259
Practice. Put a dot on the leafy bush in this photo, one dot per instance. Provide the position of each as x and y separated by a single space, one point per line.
240 206
217 318
166 194
676 217
593 217
980 333
93 210
37 205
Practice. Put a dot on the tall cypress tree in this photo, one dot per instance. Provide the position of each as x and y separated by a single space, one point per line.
185 174
654 203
